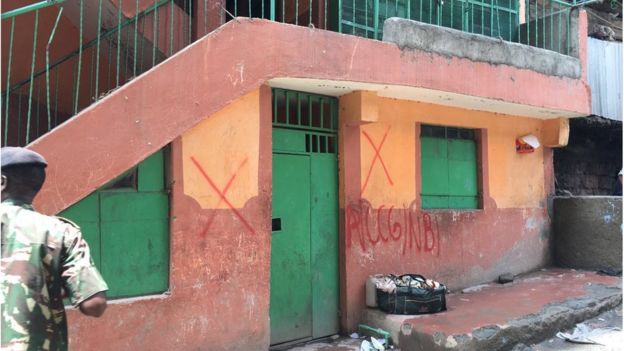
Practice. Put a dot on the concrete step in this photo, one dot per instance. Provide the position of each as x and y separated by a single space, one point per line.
497 317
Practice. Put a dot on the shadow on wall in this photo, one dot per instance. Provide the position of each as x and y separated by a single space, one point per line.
590 163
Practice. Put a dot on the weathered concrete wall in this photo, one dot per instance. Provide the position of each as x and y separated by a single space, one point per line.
409 34
220 245
589 164
588 232
386 231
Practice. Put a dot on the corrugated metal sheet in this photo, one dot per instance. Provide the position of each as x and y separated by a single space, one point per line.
605 77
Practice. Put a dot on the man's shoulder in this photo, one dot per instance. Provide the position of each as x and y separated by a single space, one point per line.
19 212
66 221
24 214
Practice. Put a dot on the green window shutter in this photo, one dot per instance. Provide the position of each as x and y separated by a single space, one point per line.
434 170
448 168
135 245
86 214
434 166
462 167
151 173
127 230
432 201
463 202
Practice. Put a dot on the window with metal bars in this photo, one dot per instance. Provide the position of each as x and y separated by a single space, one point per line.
304 122
320 143
299 110
449 178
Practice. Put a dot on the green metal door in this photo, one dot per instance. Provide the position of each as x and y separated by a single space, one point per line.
304 247
324 241
291 287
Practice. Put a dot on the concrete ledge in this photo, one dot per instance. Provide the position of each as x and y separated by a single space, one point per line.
497 317
409 34
588 232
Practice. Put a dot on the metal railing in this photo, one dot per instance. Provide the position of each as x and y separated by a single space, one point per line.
548 25
47 80
72 53
311 13
496 18
111 47
540 23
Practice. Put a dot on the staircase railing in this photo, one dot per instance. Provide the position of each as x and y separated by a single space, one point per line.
60 82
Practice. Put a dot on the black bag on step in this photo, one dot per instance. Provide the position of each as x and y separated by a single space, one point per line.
412 300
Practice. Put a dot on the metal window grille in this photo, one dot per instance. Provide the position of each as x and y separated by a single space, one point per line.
299 110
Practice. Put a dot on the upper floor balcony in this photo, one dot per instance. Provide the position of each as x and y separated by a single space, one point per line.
61 56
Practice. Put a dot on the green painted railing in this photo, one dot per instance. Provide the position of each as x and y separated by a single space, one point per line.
60 82
47 80
544 24
495 18
547 25
311 13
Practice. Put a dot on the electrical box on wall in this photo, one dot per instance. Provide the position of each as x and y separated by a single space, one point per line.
527 144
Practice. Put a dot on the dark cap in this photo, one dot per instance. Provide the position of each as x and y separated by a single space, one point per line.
15 156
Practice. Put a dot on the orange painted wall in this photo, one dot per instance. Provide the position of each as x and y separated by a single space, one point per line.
516 180
384 229
226 144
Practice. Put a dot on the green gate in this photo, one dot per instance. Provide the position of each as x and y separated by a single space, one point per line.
304 247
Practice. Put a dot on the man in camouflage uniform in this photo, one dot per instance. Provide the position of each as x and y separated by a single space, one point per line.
43 259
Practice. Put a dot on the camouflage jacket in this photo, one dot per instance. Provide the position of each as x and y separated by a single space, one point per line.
41 255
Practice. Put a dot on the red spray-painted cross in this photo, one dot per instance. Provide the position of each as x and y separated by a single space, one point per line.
377 150
222 196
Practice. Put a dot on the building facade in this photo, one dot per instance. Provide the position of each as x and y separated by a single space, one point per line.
238 192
